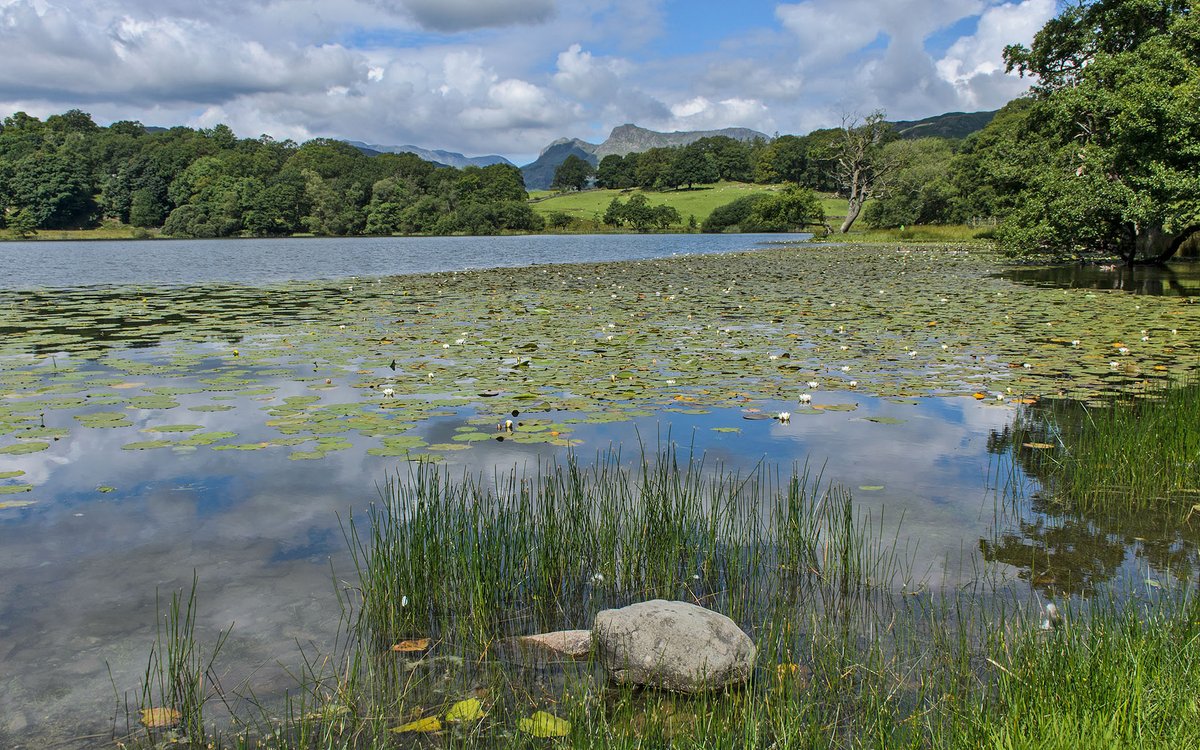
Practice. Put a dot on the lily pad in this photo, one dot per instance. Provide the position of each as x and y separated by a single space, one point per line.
543 724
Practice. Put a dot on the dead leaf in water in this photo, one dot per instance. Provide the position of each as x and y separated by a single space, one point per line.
428 724
416 644
160 718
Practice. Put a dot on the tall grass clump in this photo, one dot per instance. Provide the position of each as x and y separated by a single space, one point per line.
1138 451
179 679
474 561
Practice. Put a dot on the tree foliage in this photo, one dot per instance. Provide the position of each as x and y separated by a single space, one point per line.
68 172
1109 147
572 174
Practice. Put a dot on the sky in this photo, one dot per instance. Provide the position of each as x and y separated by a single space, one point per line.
507 76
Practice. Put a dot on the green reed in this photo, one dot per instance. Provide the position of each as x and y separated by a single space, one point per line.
1139 451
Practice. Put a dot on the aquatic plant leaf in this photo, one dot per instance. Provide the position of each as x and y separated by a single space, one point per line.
543 724
13 489
870 487
7 504
143 445
1039 446
104 419
885 420
470 709
173 428
11 474
20 449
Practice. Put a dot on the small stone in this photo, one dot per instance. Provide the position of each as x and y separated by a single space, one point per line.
574 644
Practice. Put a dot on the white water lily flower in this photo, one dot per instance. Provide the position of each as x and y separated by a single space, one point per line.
460 342
785 417
853 383
805 398
845 348
445 346
1114 365
845 368
1026 365
389 392
1123 350
1075 342
813 384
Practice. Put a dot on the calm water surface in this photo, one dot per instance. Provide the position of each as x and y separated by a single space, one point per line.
260 261
81 566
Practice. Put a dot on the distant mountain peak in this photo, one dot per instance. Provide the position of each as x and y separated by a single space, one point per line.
438 156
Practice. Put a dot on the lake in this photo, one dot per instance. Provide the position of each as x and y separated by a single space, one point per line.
218 408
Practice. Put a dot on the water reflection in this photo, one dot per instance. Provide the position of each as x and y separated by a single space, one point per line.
1062 551
1180 279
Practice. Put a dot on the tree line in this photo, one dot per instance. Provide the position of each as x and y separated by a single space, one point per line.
68 172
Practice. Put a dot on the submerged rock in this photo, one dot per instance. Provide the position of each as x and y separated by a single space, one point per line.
672 645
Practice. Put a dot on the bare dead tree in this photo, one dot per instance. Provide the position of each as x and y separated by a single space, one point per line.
863 169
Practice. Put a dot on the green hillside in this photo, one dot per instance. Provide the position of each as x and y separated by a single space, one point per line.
588 206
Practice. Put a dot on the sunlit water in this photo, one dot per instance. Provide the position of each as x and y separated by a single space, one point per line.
82 567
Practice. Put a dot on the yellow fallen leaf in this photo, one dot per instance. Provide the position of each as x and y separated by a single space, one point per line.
416 644
160 718
1042 446
542 724
428 724
469 710
980 396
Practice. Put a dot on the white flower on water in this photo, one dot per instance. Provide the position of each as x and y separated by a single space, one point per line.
945 347
1123 350
445 346
805 398
785 417
845 348
1075 342
1026 365
853 383
813 384
845 368
1053 619
1114 365
460 342
1145 338
389 392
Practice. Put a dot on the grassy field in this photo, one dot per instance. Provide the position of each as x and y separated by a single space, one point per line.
588 206
108 231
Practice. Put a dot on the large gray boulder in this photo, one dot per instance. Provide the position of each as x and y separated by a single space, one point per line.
672 645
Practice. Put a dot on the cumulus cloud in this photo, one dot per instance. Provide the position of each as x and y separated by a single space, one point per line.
371 70
974 64
460 15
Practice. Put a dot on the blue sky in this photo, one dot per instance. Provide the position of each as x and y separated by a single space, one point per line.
507 76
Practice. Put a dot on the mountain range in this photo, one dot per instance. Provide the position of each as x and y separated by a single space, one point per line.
629 138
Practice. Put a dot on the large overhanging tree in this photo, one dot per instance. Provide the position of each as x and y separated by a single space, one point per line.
1111 143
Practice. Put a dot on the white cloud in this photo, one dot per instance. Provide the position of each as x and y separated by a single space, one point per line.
365 69
974 64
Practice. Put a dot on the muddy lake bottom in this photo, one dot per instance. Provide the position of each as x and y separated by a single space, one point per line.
153 431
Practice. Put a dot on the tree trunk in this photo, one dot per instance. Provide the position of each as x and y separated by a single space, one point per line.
853 208
1152 244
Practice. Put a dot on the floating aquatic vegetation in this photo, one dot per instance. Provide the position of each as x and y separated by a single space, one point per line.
594 342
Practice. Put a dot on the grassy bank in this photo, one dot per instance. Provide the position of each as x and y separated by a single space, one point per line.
852 652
